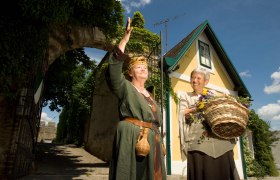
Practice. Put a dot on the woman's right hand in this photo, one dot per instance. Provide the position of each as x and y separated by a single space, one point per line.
126 36
189 110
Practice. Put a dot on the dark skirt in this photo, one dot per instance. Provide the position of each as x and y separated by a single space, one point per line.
204 167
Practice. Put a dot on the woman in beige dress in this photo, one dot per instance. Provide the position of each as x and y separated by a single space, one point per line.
208 156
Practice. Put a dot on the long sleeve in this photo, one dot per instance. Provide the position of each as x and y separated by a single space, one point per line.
192 135
117 79
183 128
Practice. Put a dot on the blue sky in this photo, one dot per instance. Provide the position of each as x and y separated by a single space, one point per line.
248 30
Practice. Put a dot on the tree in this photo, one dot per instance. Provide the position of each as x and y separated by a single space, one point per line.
34 34
78 109
253 168
138 20
263 139
60 78
31 22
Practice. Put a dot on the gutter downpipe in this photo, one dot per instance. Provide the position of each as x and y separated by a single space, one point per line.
161 79
168 154
168 145
243 158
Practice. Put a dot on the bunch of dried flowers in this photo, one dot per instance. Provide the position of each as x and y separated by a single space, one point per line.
205 97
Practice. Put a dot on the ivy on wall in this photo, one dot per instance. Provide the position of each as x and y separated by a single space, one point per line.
263 138
24 27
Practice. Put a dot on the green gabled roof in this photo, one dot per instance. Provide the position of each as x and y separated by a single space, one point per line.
172 57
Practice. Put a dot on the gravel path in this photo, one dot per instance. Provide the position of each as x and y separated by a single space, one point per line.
66 162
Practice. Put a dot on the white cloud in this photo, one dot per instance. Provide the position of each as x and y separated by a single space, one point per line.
275 86
46 118
128 5
270 112
276 117
245 74
140 3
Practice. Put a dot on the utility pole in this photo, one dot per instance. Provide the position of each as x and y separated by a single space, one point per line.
165 25
165 21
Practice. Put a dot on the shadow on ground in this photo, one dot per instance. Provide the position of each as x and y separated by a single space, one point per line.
54 161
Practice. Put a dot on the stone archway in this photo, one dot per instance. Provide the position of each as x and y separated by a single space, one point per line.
12 110
100 127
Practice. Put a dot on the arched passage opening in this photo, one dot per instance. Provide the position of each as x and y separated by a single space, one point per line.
20 116
21 129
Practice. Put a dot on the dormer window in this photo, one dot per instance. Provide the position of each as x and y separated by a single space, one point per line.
204 55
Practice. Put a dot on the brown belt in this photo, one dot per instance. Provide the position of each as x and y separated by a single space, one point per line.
157 158
137 122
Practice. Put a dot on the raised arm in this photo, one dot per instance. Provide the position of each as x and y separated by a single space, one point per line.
116 63
126 36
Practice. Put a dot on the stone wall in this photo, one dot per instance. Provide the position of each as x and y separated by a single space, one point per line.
47 132
18 127
7 127
276 151
101 126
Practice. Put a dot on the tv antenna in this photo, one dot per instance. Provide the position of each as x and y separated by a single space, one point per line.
165 21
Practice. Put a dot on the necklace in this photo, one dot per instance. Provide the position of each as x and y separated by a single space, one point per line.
147 96
144 91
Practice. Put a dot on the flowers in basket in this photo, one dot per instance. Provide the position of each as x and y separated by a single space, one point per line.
197 116
206 97
226 116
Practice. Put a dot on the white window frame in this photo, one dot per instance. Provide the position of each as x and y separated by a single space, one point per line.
204 55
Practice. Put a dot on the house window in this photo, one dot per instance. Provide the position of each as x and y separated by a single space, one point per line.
204 54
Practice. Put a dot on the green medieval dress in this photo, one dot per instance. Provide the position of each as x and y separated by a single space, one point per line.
125 164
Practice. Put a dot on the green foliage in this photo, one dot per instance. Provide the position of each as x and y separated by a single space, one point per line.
142 41
138 20
62 126
145 42
24 27
98 13
77 111
263 139
70 87
69 84
62 75
253 168
154 82
245 101
22 51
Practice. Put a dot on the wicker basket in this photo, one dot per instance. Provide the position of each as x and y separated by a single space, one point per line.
226 117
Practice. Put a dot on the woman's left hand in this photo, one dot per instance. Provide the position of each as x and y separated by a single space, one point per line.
126 36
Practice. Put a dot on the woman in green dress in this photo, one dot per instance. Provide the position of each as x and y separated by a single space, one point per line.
138 110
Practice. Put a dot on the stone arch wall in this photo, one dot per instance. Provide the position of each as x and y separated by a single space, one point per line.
11 125
101 126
